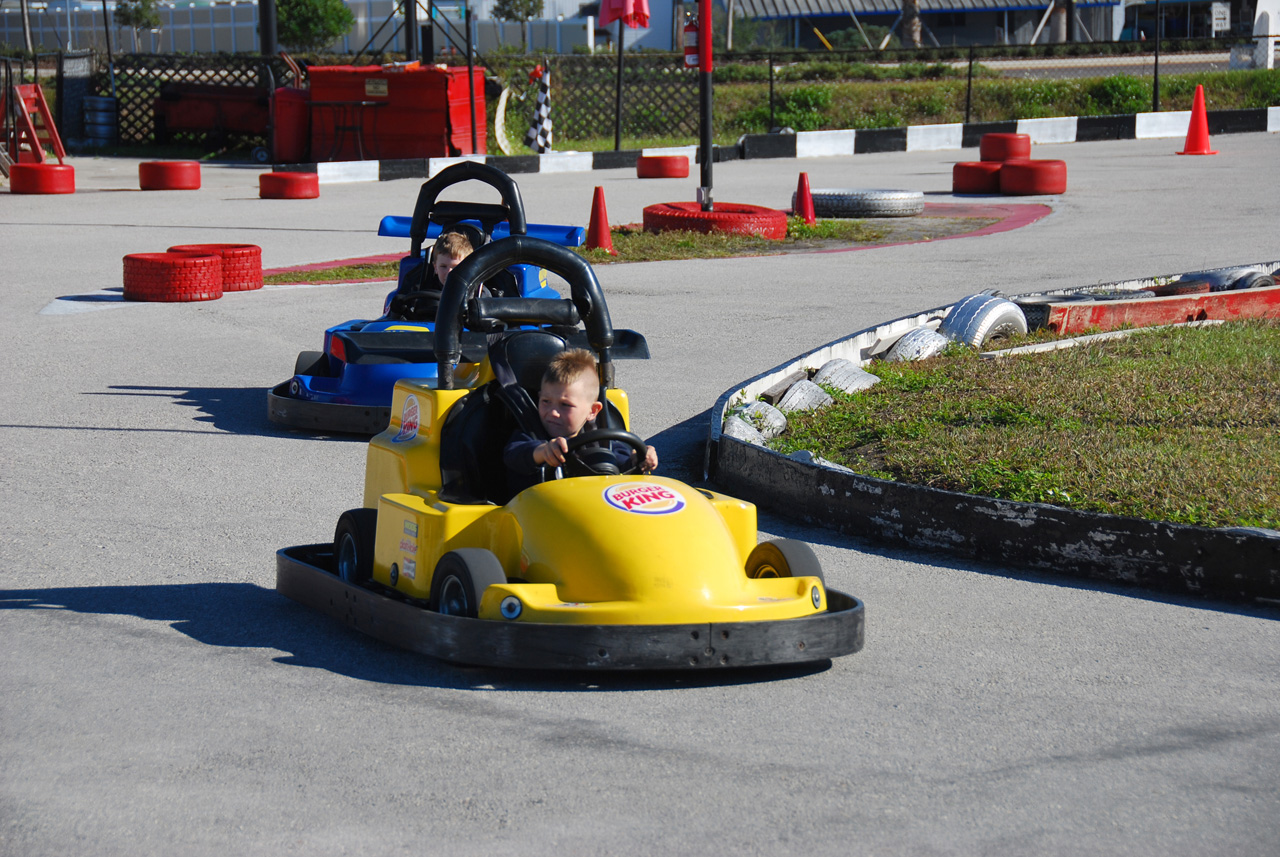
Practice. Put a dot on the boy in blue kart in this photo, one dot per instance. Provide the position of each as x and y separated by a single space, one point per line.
568 403
421 303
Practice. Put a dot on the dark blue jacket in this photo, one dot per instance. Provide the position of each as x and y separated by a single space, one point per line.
522 472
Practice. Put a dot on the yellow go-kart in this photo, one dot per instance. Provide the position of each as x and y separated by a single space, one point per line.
599 570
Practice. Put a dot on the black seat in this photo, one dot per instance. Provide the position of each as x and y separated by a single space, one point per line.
479 426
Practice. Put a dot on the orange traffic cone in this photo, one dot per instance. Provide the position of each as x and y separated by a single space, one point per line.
804 201
598 234
1198 131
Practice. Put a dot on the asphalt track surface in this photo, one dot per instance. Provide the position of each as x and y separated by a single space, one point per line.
157 697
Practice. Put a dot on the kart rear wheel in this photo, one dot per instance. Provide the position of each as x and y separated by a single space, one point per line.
353 545
784 558
311 363
460 579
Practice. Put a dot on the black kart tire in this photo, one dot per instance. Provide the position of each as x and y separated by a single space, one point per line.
311 363
353 541
783 558
460 579
843 202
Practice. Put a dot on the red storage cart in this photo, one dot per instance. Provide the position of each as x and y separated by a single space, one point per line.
399 111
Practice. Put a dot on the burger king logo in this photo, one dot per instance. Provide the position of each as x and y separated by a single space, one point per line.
644 498
408 420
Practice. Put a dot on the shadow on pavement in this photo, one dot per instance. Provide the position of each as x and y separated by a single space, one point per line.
238 410
243 615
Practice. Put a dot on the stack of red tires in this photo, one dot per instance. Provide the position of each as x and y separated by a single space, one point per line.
1008 168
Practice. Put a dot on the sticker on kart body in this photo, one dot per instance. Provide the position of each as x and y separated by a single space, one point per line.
408 420
644 498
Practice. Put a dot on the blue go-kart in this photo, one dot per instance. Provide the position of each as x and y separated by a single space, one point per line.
347 387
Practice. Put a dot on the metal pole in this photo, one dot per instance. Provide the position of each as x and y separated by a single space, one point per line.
410 30
772 122
106 28
617 97
704 98
471 79
1155 86
267 34
968 91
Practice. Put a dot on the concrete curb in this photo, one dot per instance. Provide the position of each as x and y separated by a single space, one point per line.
1227 563
817 144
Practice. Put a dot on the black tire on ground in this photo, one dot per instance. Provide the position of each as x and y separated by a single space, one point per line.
460 579
844 202
311 363
784 558
1182 287
353 545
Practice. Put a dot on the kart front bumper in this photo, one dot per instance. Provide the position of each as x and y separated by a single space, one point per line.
304 574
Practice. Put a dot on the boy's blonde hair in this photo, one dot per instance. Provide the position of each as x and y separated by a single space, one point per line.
568 367
455 245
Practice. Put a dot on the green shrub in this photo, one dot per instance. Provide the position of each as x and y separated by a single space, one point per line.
1120 93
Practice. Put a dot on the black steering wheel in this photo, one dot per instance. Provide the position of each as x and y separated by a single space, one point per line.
419 305
600 461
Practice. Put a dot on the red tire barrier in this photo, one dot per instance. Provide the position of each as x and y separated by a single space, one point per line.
172 277
662 167
288 186
976 177
241 263
734 218
1004 147
169 175
42 178
1032 177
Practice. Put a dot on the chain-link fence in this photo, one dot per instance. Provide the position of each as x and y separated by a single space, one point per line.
756 93
138 81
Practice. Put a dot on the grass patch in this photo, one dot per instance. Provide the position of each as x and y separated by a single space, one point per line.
1179 425
635 245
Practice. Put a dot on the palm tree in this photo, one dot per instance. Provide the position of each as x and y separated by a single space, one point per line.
911 32
26 27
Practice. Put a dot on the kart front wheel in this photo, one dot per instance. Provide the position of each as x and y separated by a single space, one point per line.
353 545
460 579
784 558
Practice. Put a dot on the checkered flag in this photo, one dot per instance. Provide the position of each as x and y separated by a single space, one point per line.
538 137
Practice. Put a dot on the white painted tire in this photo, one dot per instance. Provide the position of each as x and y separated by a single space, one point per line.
919 344
765 418
981 319
845 376
844 202
739 429
804 396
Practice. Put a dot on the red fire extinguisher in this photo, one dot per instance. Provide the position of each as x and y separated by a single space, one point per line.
691 43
